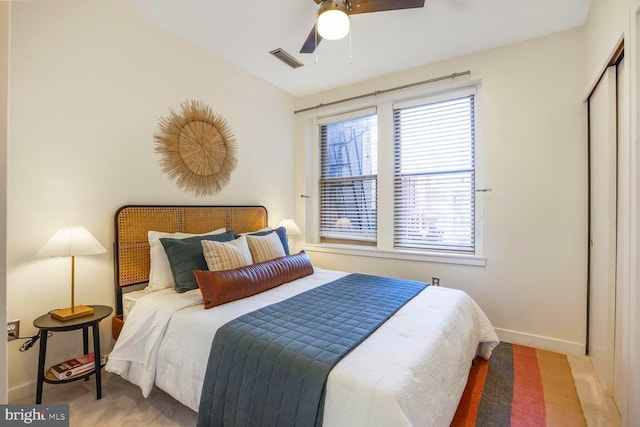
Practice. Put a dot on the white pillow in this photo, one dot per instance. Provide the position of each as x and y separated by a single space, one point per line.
160 276
226 255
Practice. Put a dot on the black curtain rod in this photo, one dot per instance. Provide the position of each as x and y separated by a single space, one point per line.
380 92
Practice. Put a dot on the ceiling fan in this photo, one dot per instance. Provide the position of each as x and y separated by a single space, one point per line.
335 15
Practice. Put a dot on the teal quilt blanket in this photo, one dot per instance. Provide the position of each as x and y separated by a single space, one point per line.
269 367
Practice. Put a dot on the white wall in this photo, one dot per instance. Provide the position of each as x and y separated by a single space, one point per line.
4 80
89 81
532 153
605 26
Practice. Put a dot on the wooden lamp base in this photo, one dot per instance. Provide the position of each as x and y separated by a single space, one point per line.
71 312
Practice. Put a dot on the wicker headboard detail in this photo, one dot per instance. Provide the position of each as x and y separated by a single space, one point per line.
132 222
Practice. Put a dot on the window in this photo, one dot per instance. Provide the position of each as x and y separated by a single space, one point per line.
434 175
348 200
400 177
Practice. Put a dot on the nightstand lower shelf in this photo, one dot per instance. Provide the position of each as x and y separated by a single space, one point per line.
52 379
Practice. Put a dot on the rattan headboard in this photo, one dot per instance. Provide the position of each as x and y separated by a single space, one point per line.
132 222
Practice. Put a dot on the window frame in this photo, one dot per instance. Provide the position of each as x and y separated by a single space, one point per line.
371 111
424 101
384 105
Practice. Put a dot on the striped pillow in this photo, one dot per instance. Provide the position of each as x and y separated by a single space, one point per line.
227 255
265 248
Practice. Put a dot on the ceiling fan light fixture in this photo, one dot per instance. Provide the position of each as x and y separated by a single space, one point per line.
333 20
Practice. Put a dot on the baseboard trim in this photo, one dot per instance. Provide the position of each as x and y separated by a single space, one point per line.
22 392
538 341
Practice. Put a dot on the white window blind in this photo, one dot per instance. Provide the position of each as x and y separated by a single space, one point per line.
434 184
348 178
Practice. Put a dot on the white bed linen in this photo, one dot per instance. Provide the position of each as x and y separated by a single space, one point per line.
411 371
130 299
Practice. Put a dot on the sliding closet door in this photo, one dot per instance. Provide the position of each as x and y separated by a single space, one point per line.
602 257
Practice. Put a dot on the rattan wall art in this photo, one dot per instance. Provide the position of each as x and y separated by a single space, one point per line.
198 148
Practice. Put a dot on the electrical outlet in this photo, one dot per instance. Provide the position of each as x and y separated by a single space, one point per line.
13 330
435 281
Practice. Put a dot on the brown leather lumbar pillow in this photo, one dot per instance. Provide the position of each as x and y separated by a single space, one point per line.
220 287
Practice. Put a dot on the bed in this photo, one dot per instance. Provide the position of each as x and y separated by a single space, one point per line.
412 370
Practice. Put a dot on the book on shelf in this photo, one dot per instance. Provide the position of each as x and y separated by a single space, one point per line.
76 366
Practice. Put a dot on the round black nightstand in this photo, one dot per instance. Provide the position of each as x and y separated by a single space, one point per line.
47 324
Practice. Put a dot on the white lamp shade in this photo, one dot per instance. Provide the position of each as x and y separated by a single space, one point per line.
333 24
71 241
291 226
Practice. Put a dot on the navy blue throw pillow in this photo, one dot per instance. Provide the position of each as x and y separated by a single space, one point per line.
185 255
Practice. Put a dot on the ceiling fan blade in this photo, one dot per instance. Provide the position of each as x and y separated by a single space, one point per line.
310 45
361 6
367 6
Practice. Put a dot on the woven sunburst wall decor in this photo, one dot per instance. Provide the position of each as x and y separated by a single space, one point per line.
198 148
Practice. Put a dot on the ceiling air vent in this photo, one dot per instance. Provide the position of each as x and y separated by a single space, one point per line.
286 57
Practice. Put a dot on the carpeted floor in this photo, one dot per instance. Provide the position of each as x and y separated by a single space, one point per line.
122 403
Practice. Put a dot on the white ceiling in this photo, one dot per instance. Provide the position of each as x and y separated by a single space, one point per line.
243 32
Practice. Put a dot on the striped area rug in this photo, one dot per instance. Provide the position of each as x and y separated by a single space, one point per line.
520 386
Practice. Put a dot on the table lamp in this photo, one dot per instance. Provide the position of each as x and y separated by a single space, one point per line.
291 227
71 242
